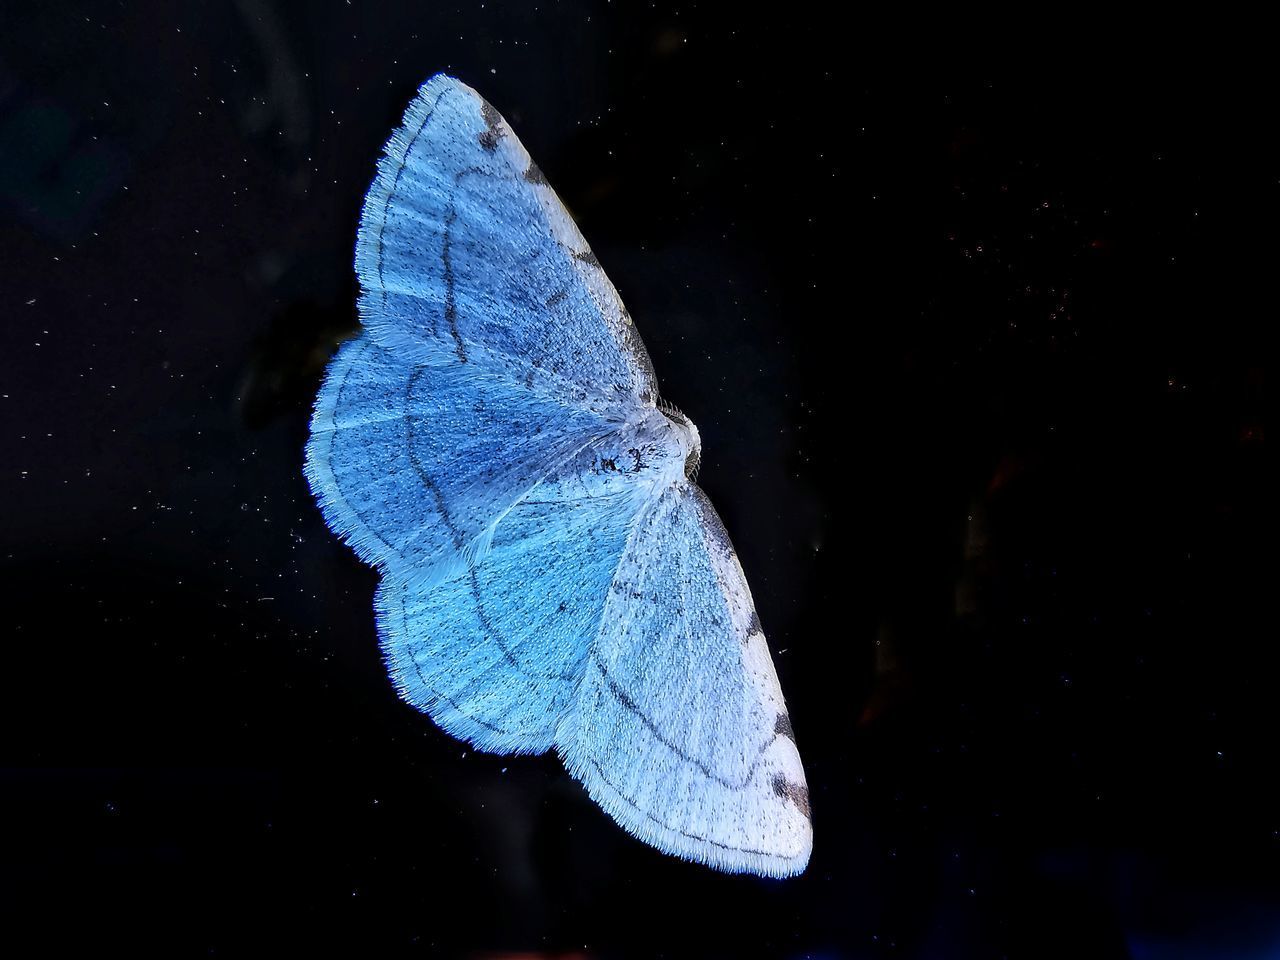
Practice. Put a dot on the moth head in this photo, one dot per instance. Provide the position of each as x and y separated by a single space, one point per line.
687 436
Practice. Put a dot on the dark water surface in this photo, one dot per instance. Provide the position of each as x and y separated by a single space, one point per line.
976 356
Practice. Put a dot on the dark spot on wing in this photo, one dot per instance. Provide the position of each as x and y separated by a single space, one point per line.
534 174
560 296
794 792
470 172
782 727
753 625
586 256
492 133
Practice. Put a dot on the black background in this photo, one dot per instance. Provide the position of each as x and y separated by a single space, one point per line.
976 355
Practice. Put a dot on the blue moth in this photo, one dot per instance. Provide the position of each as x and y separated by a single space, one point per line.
551 576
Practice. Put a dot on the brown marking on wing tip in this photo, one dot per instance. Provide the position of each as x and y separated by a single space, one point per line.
794 792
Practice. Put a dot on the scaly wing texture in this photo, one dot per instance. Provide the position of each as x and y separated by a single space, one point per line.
465 252
522 606
680 731
415 465
494 653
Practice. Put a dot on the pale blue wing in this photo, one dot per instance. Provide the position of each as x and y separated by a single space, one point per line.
465 253
491 442
680 731
494 654
416 465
